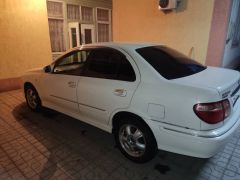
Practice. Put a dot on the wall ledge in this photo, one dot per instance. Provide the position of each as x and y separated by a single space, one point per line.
10 84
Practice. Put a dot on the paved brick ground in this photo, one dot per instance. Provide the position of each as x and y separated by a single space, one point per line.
50 145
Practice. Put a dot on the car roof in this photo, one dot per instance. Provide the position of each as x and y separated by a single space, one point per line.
120 45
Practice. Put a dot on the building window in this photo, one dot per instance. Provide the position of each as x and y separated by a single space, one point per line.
56 35
54 9
103 15
103 32
103 24
87 14
56 28
73 12
90 21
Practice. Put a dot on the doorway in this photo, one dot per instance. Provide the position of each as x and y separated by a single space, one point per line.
87 33
74 35
80 34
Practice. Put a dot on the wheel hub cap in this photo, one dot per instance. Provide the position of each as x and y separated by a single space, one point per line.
32 98
132 140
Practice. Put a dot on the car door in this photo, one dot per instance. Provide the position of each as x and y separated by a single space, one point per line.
108 83
60 85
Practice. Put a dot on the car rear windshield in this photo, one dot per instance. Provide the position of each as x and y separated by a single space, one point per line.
170 63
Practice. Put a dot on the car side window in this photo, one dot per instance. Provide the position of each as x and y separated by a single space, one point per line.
125 70
108 63
72 63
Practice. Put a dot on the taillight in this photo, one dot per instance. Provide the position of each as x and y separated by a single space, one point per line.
213 113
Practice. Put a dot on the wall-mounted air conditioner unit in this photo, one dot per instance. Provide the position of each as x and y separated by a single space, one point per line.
168 4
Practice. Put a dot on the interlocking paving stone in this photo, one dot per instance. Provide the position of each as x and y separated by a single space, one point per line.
50 145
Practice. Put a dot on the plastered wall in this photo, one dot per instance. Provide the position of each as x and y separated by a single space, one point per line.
24 36
187 27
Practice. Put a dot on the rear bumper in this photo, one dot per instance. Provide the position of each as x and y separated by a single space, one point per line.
202 144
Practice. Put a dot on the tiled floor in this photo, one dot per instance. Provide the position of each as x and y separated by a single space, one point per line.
51 145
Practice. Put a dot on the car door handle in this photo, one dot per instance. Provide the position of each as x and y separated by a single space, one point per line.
72 84
120 92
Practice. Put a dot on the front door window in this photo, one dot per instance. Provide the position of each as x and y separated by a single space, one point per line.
72 63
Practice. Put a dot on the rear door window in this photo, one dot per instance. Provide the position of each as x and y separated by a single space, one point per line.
108 63
170 63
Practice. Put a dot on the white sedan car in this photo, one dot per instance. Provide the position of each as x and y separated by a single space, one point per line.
150 96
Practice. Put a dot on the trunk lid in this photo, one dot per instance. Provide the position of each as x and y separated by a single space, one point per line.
225 81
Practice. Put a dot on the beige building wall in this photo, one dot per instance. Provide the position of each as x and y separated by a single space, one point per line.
184 29
24 40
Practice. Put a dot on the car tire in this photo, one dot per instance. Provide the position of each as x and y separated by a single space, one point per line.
32 98
135 140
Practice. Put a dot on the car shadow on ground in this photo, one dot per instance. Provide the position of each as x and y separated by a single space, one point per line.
67 146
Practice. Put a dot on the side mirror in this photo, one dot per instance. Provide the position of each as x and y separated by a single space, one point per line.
47 69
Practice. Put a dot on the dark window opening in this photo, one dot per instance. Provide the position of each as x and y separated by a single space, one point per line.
88 36
170 63
108 63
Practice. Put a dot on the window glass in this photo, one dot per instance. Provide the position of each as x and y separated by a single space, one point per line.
87 13
125 71
170 63
88 36
103 32
74 37
54 9
56 21
102 14
103 25
73 12
109 64
72 63
56 35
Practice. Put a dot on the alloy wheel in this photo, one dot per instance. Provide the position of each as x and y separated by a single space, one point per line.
32 98
132 140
